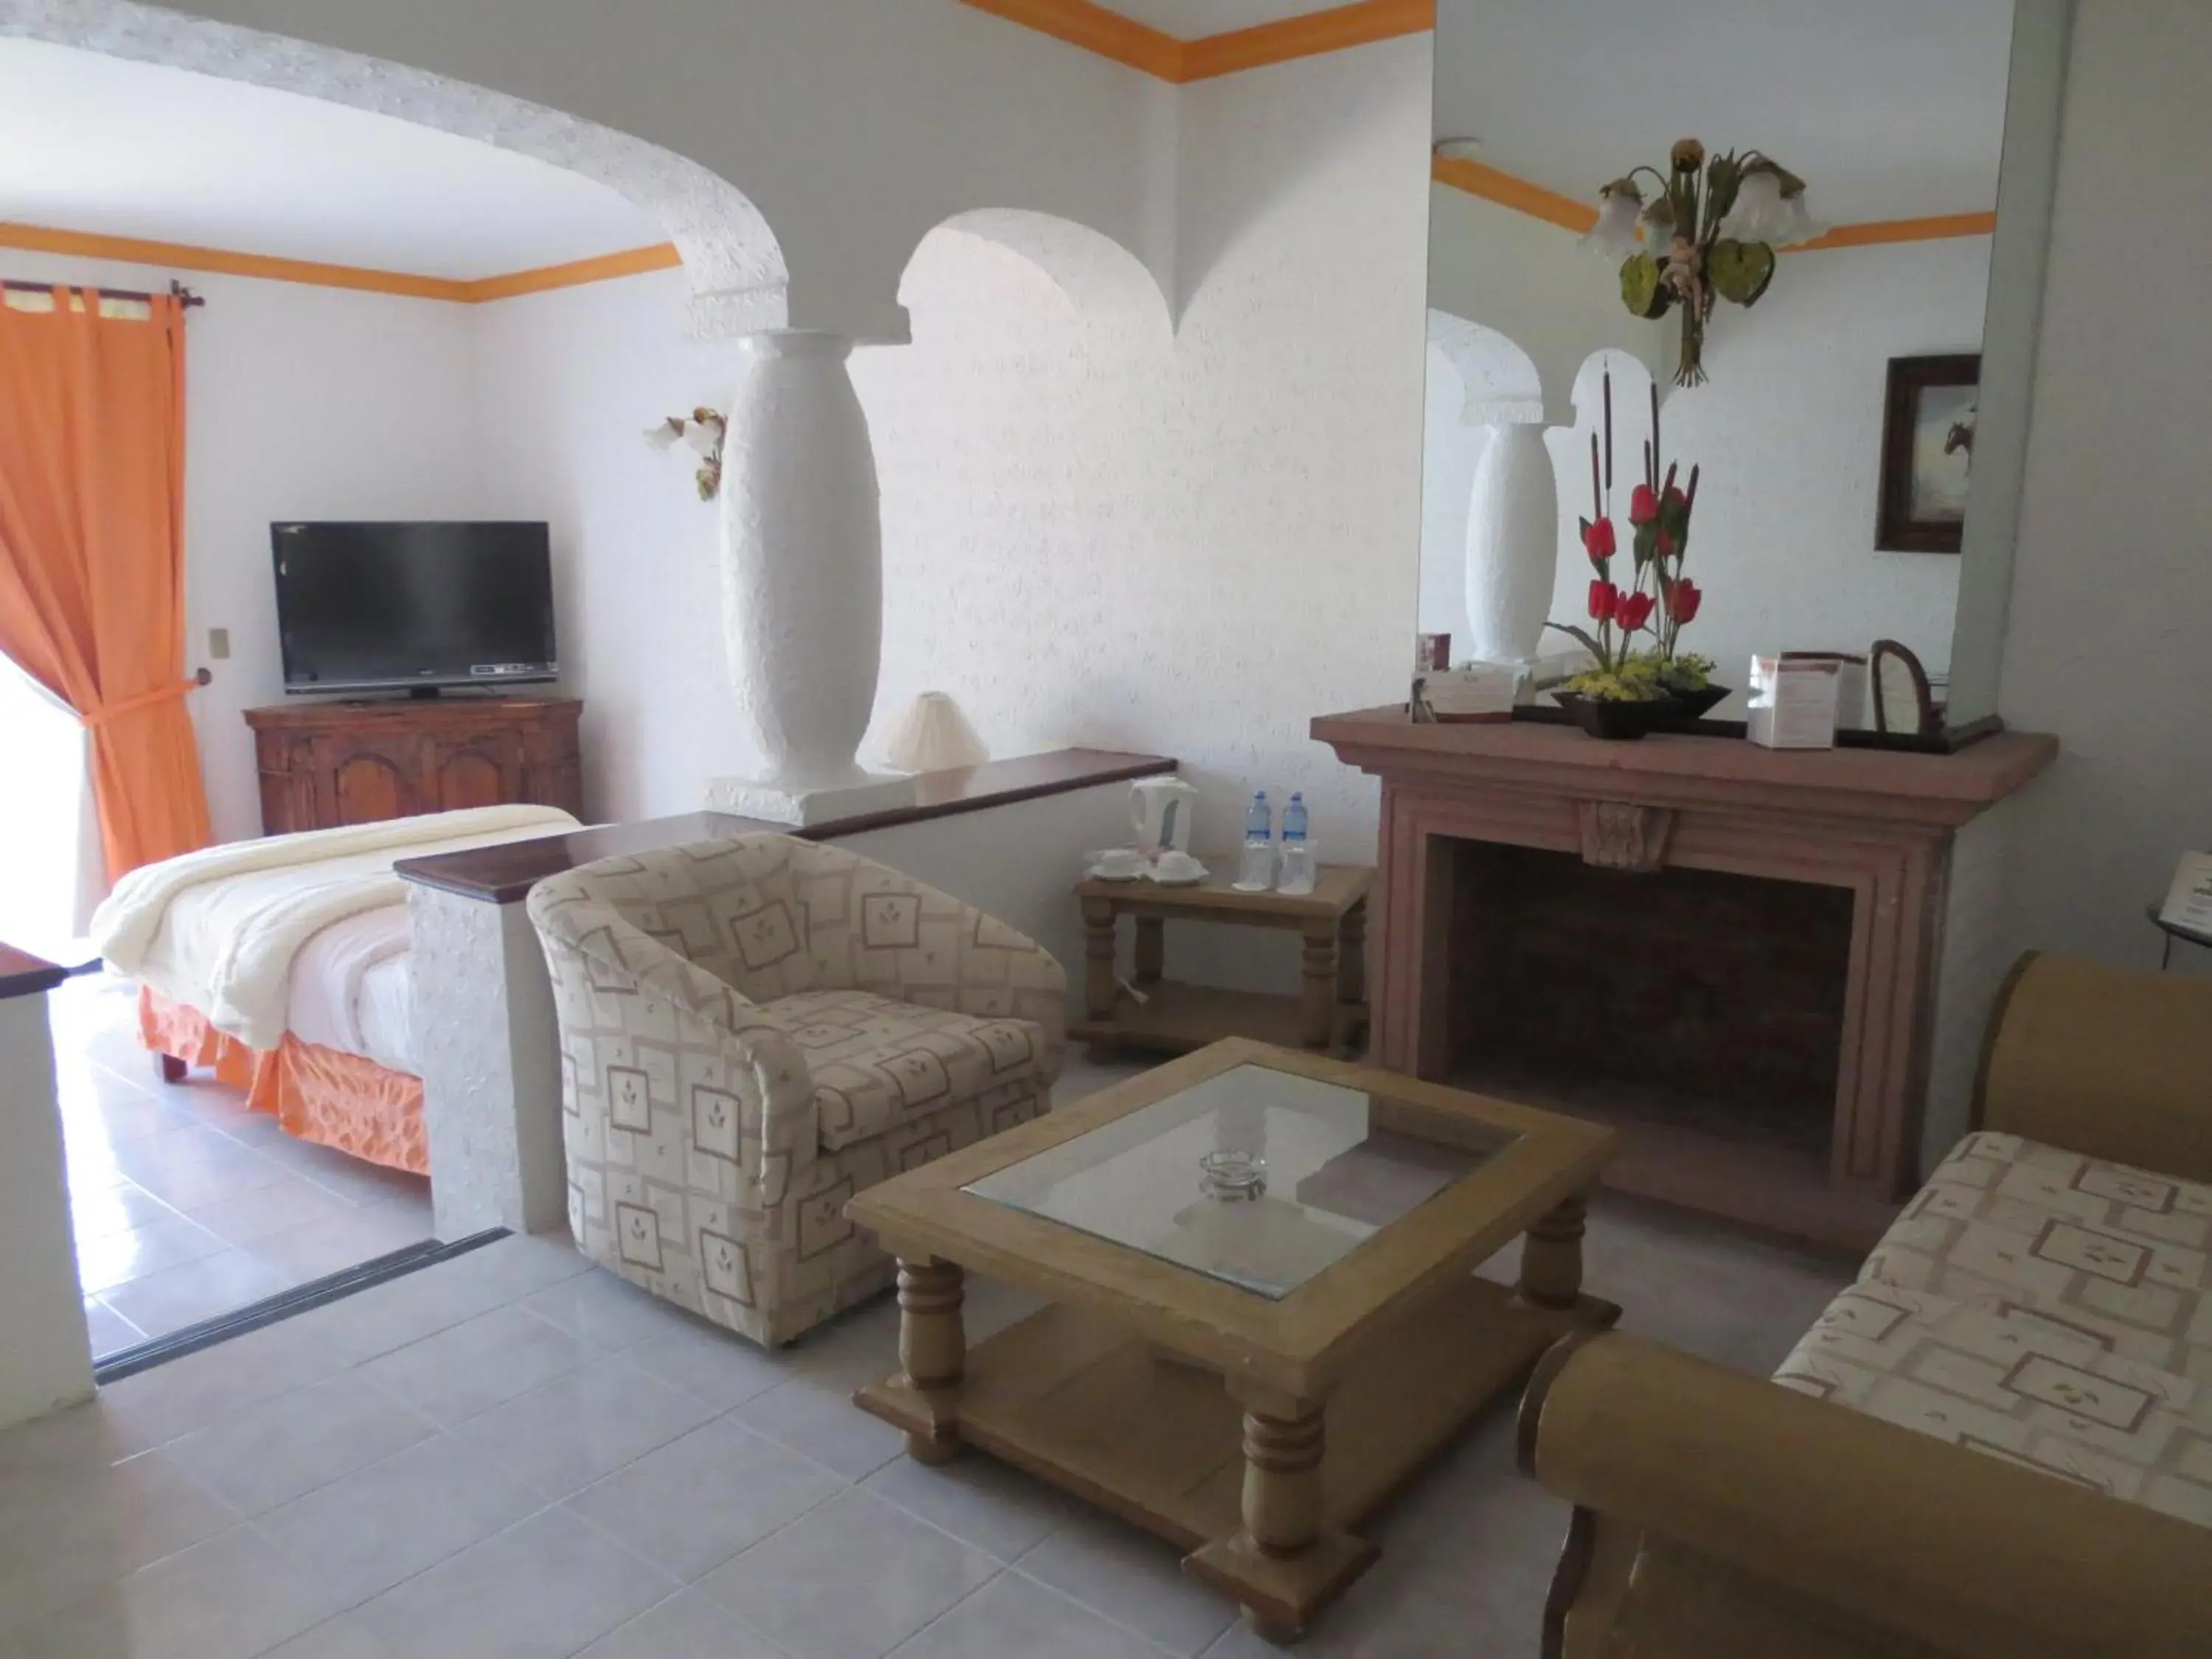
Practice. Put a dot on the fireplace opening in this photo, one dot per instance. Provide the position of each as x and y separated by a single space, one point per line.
1694 1002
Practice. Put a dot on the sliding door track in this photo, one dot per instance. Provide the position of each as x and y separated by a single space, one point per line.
315 1293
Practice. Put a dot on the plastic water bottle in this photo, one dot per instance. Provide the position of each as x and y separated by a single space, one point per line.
1257 872
1298 851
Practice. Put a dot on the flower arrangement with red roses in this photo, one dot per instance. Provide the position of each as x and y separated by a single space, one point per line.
1657 599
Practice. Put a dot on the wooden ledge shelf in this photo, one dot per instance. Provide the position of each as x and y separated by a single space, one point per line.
1671 769
505 874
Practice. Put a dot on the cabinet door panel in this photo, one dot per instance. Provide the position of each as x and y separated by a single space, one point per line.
370 788
486 773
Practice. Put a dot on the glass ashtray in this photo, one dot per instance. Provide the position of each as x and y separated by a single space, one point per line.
1234 1177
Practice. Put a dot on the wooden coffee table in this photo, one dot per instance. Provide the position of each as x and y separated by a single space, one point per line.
1249 1374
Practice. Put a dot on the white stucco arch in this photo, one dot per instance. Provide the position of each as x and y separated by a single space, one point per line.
1103 279
739 282
1502 385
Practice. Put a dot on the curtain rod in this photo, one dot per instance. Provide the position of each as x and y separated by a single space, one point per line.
183 295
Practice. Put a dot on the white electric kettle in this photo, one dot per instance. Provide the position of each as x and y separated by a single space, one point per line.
1159 813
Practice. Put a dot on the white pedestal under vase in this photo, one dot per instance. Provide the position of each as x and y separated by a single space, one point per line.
802 580
1512 545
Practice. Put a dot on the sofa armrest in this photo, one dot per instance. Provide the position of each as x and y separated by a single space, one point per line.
933 950
780 1132
2109 1062
1864 1524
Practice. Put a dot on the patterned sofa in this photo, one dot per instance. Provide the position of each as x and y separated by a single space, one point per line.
754 1030
2024 1469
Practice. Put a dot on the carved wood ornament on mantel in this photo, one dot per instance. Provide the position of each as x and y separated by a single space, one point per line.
1619 835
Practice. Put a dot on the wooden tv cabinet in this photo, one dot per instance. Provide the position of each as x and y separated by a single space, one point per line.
323 764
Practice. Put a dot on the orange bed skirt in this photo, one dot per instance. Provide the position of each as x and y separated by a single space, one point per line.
316 1094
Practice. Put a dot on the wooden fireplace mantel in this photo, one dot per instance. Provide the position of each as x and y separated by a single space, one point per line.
1877 822
1892 785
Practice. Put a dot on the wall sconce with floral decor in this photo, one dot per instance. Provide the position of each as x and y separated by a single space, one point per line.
1709 230
703 429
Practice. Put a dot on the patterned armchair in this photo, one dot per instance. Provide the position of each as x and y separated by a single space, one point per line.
754 1030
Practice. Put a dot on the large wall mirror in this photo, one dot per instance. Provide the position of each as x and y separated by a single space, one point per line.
1829 357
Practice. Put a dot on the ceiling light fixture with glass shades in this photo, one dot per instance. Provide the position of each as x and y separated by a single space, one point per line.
1707 231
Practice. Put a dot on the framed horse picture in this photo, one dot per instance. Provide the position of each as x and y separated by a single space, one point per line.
1927 452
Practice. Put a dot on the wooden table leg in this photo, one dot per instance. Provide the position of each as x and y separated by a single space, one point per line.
1318 1010
1282 1481
932 1351
1286 1562
1099 990
1151 949
1551 1257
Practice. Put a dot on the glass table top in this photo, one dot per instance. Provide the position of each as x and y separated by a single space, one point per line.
1257 1178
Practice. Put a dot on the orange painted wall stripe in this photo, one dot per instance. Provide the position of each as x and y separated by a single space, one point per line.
1492 185
1095 29
630 261
1164 58
184 256
1877 231
1310 36
1477 179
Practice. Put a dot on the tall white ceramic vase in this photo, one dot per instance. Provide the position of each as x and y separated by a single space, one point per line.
1512 544
802 568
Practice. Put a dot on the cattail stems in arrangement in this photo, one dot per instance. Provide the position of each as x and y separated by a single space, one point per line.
1597 498
1651 455
1691 500
1609 435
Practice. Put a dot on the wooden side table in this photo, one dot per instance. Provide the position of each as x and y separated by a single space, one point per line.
2173 930
1174 1015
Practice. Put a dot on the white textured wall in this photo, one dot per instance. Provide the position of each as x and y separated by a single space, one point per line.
300 402
1526 278
1096 531
569 381
854 125
2112 601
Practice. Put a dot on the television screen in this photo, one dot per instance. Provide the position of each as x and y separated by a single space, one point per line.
367 607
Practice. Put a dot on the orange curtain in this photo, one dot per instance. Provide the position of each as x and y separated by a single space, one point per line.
92 567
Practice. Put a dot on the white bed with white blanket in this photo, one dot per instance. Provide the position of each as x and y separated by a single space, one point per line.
293 947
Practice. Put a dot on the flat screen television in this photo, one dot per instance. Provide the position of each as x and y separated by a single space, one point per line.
414 607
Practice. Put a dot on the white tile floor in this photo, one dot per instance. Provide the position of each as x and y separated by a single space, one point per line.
185 1204
512 1455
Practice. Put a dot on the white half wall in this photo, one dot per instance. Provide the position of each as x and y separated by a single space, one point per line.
45 1356
300 402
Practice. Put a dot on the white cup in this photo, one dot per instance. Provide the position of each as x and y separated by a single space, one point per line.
1118 864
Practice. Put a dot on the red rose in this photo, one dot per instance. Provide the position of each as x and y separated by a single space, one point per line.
1604 600
1598 540
1633 611
1643 505
1683 599
1675 500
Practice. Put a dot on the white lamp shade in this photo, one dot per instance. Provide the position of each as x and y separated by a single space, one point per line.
933 735
1614 233
1757 215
